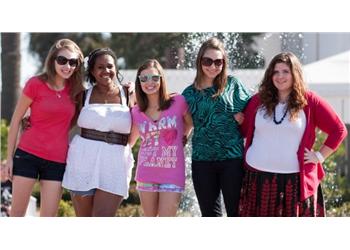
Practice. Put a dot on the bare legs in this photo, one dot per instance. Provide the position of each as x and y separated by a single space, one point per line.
50 196
162 204
22 187
101 204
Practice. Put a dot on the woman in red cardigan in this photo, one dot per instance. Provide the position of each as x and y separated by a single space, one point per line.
283 171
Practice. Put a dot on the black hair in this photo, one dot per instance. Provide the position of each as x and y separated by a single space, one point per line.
92 60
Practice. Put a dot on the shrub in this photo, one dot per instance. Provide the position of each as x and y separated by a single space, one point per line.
129 211
65 209
342 211
4 132
335 187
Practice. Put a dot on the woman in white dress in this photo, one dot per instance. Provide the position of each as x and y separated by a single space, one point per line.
99 160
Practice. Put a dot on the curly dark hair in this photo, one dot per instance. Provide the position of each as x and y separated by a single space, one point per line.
268 93
92 60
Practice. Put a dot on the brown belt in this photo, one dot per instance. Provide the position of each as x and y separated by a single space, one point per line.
108 137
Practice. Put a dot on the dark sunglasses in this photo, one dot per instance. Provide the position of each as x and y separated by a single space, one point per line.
206 61
61 60
146 78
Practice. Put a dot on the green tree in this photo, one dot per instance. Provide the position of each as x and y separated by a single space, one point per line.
40 43
10 72
135 48
335 188
172 50
4 132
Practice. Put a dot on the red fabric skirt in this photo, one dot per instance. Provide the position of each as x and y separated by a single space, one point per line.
271 194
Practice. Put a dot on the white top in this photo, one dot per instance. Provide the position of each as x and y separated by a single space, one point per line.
106 117
96 164
274 147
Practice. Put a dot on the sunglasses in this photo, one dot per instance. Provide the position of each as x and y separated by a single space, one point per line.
61 60
206 61
146 78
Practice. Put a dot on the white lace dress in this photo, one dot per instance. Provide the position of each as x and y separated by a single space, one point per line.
96 164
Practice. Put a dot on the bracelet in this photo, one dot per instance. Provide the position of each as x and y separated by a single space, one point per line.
319 156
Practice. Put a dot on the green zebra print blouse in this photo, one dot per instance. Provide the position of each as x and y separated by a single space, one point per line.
216 135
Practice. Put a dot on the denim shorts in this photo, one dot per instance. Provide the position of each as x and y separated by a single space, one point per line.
31 166
153 187
90 192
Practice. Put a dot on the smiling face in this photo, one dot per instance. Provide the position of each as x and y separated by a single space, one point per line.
152 85
104 70
212 71
282 78
65 71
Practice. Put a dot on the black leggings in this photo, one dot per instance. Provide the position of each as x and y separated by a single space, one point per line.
211 177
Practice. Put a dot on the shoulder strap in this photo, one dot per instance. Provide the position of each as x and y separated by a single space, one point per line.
86 96
126 91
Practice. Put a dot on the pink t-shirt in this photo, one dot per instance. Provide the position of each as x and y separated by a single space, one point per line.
161 156
51 113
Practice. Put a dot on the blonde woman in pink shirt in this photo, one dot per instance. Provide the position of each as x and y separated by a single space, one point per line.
52 98
163 122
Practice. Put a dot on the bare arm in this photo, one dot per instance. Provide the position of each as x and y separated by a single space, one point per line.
20 110
188 122
134 135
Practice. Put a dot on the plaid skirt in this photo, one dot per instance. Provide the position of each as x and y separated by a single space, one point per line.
271 194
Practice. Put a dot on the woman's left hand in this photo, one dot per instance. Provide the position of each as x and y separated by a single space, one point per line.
239 117
310 157
4 176
25 123
131 86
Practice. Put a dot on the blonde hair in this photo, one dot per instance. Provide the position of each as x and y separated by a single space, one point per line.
76 80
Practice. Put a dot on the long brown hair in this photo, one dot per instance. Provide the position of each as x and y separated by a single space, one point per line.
165 99
220 80
268 93
76 80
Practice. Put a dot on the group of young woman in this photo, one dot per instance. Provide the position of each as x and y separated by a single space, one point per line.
275 172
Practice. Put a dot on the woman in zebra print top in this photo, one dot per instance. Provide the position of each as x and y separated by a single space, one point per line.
214 99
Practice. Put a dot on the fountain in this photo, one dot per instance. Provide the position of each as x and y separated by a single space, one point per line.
269 44
233 44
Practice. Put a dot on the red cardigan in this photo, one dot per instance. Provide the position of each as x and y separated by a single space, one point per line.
318 114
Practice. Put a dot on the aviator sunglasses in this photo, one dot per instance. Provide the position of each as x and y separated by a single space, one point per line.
61 60
206 61
146 78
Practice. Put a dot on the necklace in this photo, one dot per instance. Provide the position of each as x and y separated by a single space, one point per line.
154 108
274 117
108 95
57 89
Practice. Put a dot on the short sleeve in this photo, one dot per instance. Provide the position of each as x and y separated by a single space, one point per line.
31 88
182 104
241 95
187 92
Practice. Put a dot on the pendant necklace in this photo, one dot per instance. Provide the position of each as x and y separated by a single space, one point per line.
280 121
58 93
